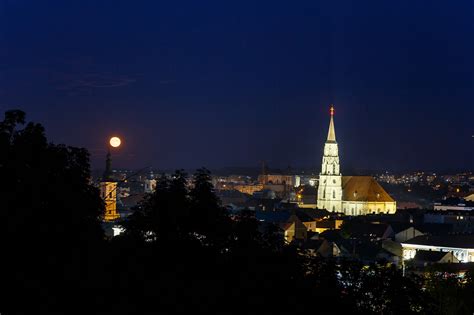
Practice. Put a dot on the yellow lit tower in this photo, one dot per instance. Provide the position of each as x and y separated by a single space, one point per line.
330 178
108 189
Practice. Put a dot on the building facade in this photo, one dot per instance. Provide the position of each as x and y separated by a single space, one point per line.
108 192
150 185
460 245
280 179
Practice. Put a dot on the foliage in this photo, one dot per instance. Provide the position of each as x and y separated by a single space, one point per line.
50 214
181 251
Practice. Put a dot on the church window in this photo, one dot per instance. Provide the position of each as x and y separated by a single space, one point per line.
333 208
333 181
333 194
324 193
334 168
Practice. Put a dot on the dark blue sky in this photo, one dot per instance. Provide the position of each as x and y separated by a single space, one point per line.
230 83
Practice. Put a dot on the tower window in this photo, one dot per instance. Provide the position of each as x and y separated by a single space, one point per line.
333 194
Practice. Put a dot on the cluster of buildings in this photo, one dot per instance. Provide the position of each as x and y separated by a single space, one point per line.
335 215
407 179
410 239
426 178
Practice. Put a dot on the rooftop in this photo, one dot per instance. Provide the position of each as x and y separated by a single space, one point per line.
454 241
364 188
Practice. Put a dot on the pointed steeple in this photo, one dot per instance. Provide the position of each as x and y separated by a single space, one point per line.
330 178
332 131
108 167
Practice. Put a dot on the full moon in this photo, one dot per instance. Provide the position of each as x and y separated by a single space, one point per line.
115 142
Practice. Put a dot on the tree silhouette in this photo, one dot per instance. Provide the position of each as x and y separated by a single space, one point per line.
162 215
180 250
50 214
209 219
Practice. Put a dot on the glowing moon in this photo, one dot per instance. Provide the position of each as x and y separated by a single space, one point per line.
115 142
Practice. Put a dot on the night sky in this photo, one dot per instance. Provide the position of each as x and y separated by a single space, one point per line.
231 83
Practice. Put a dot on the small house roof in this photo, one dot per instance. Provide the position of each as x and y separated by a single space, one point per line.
429 256
454 241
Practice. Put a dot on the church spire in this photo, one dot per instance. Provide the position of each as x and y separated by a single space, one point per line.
332 131
108 167
330 178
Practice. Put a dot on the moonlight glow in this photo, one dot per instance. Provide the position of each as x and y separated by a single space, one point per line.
115 142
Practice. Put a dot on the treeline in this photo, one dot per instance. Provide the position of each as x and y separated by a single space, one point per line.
180 250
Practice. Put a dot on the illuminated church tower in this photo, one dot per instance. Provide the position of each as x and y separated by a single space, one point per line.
330 178
108 192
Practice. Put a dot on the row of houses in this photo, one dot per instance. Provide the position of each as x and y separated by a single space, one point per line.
406 238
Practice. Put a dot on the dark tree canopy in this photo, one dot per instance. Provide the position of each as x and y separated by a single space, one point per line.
50 213
181 251
45 188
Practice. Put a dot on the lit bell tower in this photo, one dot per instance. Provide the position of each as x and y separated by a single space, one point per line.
330 178
108 187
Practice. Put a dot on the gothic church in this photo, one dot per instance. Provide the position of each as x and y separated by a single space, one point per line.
351 195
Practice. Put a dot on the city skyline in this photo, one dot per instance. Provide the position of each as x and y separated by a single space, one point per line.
218 85
237 157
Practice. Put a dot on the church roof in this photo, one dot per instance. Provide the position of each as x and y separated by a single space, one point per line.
363 188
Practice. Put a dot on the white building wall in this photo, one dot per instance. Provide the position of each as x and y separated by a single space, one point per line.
364 208
330 180
150 185
463 254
